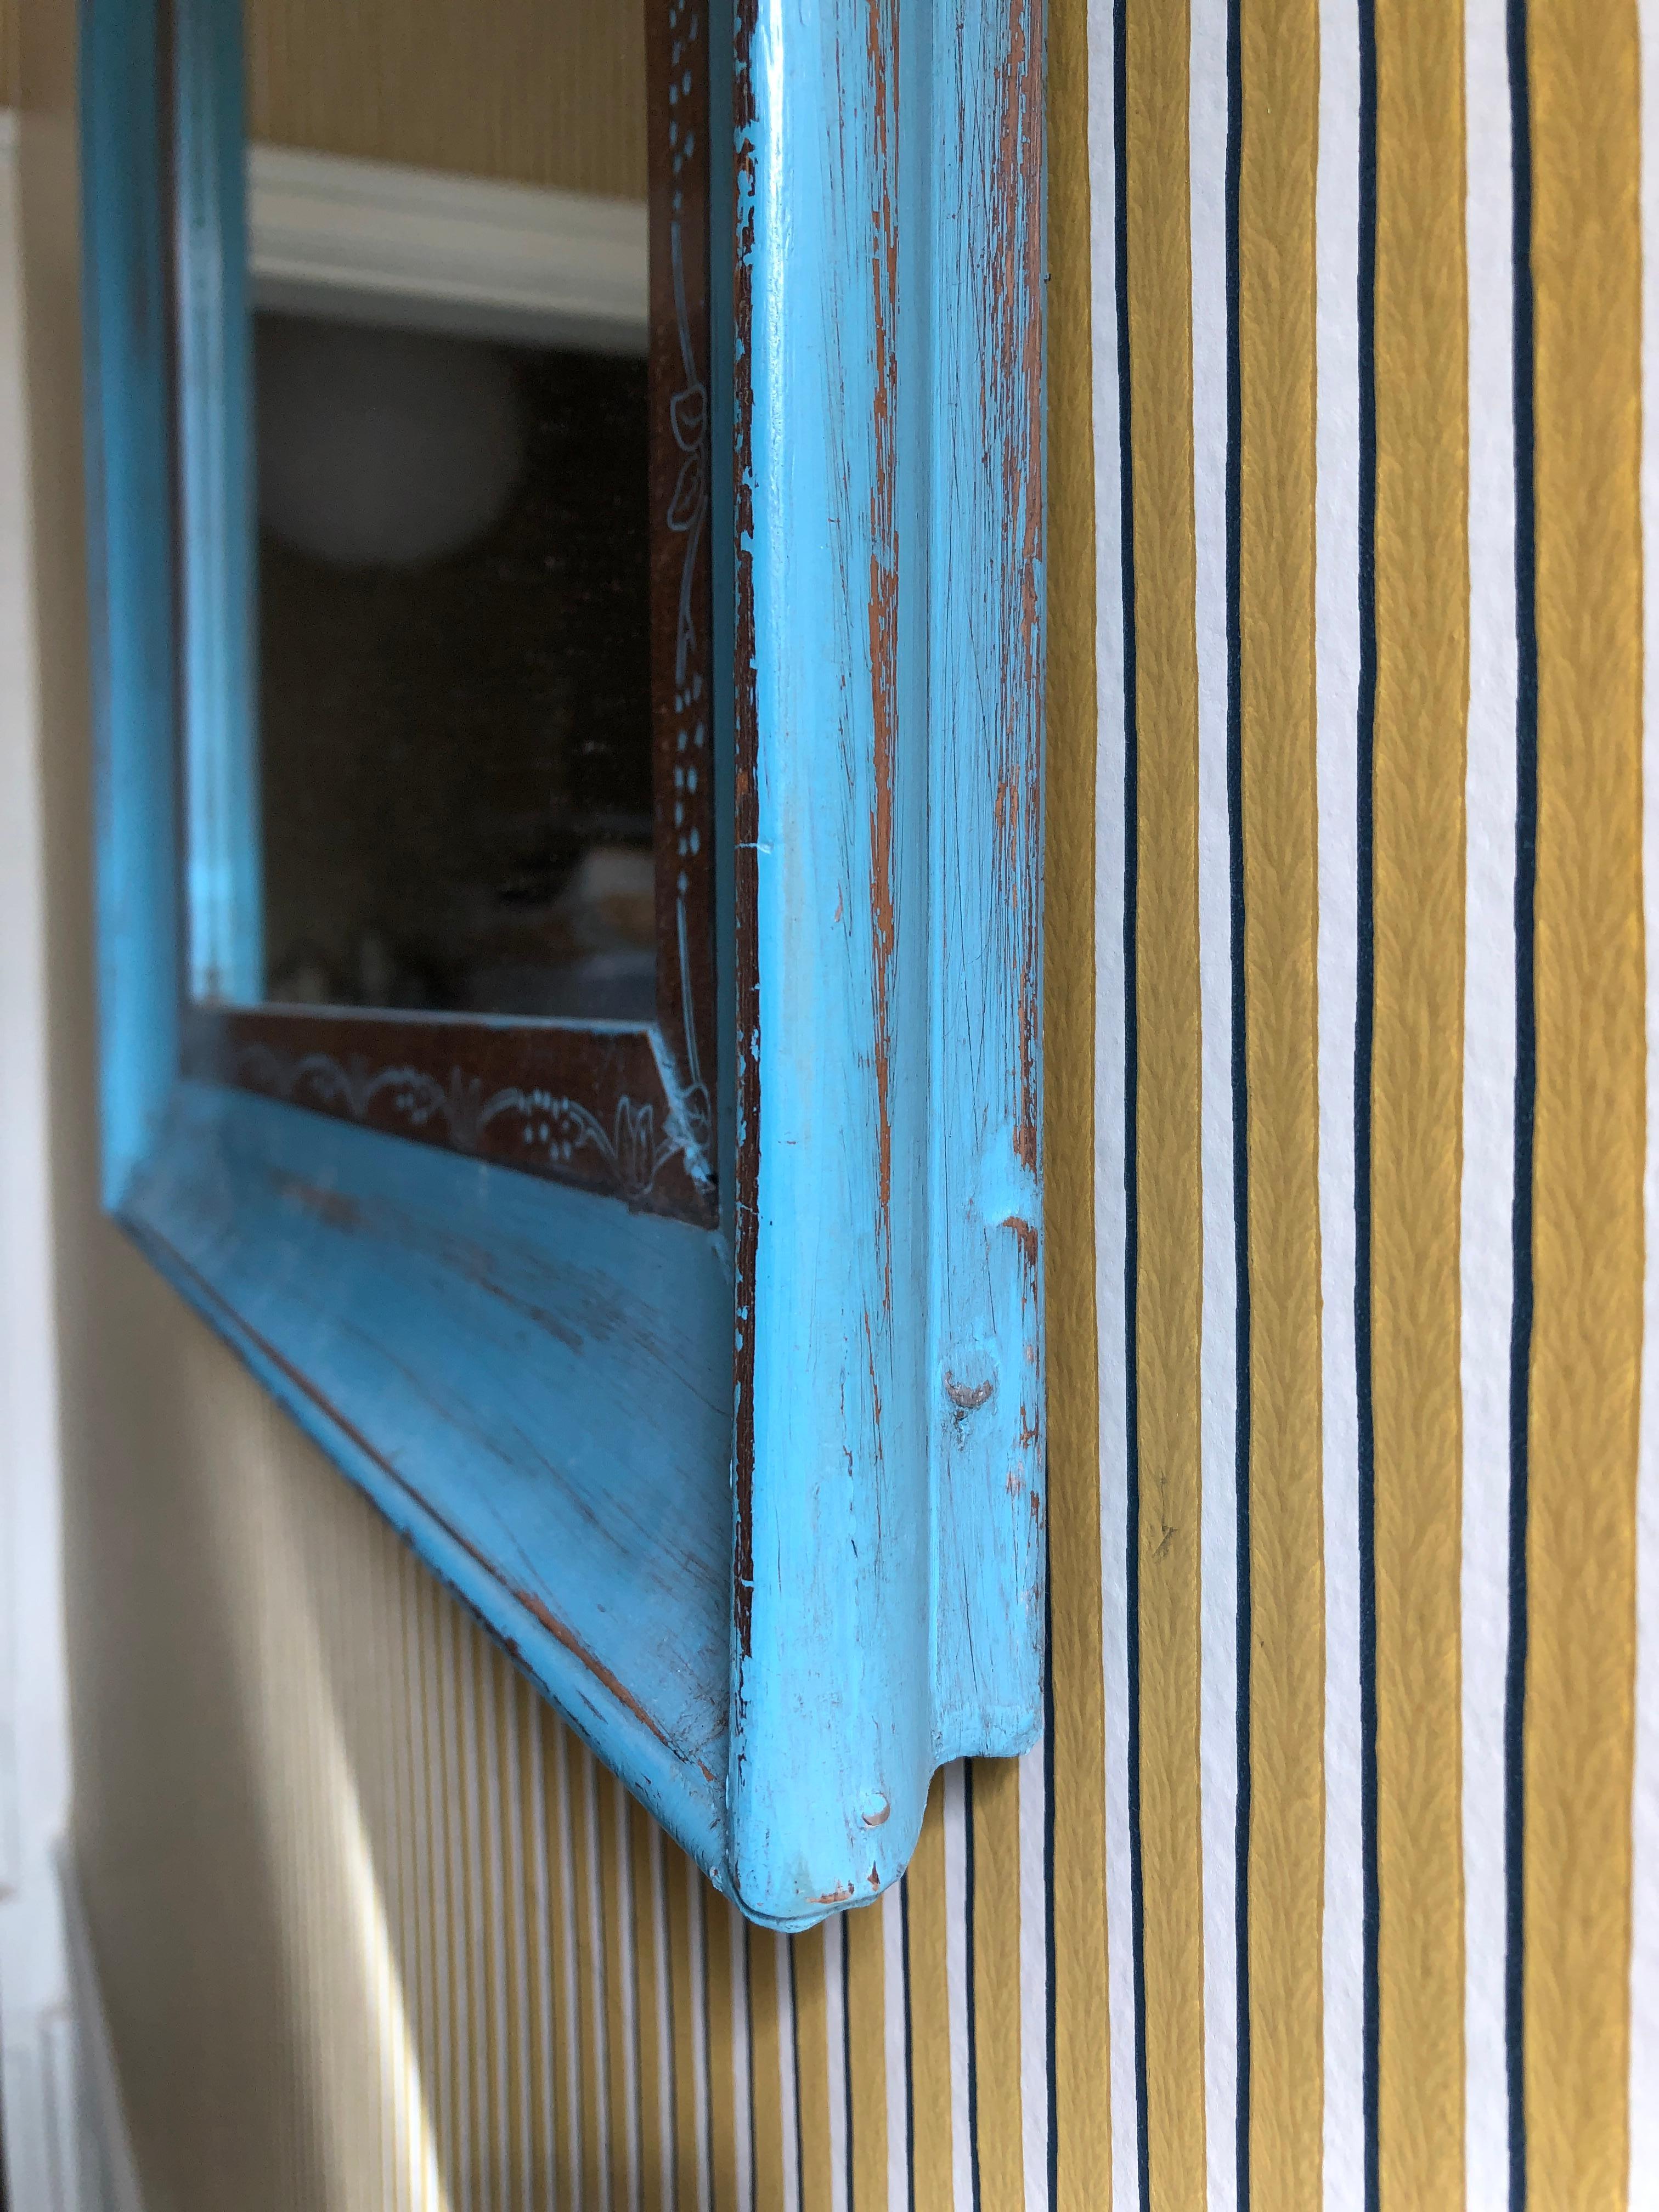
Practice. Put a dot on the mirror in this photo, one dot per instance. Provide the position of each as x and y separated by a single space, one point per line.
449 806
442 430
454 699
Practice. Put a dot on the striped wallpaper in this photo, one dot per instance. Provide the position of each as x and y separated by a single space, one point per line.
1336 1880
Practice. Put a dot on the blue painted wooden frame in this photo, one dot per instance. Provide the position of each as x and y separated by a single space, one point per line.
761 1510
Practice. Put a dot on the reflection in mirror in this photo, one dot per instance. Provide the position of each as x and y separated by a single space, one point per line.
454 678
449 783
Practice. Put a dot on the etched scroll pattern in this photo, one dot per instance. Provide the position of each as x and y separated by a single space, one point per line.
687 517
552 1128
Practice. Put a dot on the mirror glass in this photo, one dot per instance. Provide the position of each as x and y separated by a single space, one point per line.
446 804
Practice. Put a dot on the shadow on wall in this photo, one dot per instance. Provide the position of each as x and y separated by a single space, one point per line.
388 1935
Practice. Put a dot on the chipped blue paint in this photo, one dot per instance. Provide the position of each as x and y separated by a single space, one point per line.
534 1385
890 1543
528 1381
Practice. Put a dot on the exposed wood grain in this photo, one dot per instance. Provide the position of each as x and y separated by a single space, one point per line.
530 1382
683 730
984 676
632 1114
602 1109
423 1329
889 978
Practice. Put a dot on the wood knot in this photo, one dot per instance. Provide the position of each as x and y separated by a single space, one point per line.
966 1397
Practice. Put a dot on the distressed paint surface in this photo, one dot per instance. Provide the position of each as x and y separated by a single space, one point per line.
888 341
528 1381
984 690
535 1386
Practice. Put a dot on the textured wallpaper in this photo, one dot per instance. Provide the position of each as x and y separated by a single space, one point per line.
1379 1853
533 92
1336 1880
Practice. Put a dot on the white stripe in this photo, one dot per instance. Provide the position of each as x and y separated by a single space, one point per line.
1644 1838
1219 1515
956 1984
1337 666
894 2009
1034 1977
835 2032
1110 1222
788 2096
1486 1289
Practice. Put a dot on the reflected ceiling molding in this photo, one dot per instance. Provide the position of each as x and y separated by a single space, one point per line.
368 241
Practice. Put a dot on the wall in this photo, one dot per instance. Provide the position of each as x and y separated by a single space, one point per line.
38 2076
1338 1877
511 89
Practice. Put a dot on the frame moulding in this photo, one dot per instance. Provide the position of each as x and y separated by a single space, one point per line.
760 1507
368 239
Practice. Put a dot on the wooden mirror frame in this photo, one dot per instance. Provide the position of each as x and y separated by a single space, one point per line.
758 1504
620 1107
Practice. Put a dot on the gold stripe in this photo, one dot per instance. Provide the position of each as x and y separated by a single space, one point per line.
1422 700
1589 1123
766 2061
553 96
867 2015
996 1984
722 2071
812 2068
1279 61
1082 2025
930 2013
1169 1285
